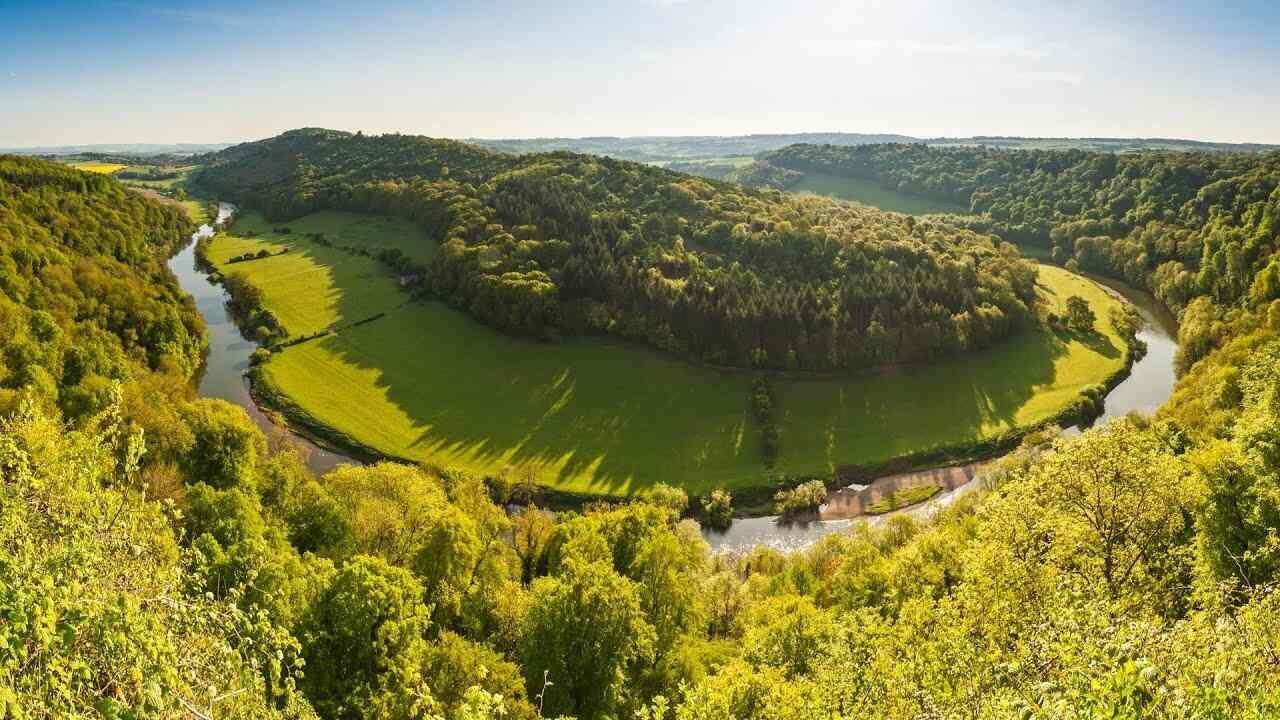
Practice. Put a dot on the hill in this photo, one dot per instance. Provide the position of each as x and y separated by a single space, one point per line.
559 244
662 149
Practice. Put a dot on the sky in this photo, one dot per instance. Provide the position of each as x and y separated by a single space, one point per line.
143 71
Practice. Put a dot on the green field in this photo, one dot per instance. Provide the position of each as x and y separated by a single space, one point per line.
165 184
427 383
868 192
1021 382
312 287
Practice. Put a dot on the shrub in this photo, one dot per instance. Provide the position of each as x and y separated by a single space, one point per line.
807 496
717 509
673 498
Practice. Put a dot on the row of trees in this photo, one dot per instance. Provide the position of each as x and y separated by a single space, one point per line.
545 245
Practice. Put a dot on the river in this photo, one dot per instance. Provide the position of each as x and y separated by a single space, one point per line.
223 374
1149 384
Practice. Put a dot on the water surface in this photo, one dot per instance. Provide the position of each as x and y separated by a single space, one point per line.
223 374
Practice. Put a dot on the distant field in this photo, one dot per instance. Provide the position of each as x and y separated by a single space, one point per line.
871 193
312 287
99 167
427 383
198 210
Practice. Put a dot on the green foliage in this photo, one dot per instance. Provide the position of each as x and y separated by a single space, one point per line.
717 508
363 642
84 296
553 244
226 445
97 617
584 628
1187 225
673 498
804 497
1080 316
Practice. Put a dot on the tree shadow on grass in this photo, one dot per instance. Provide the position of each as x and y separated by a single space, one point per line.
870 419
594 415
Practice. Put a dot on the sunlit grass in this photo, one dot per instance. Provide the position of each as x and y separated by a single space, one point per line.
427 383
903 498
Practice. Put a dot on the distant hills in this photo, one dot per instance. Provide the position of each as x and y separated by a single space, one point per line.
691 148
707 151
131 149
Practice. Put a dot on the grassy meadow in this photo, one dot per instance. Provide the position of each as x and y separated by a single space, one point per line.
868 192
588 415
1024 381
311 287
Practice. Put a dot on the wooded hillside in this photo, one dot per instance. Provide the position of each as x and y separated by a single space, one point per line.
553 244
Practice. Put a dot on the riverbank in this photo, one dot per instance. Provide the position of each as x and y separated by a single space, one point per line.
1144 388
222 374
226 379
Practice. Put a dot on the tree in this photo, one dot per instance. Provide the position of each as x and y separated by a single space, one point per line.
389 508
717 508
225 444
1114 506
363 643
584 630
1080 316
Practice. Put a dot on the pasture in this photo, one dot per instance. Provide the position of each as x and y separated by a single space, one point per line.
869 192
588 415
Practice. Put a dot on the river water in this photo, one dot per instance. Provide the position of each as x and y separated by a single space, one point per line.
223 374
1148 386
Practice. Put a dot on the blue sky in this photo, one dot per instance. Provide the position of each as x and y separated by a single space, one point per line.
147 71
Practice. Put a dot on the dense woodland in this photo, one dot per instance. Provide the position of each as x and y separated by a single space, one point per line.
553 244
1200 230
82 297
160 558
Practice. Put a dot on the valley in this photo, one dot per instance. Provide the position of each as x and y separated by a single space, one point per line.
422 382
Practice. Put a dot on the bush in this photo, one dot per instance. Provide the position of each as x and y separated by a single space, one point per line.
673 498
807 496
717 509
1080 316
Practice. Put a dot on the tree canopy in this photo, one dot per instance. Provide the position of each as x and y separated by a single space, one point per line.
553 244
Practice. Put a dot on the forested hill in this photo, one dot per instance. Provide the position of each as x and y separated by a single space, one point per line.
1200 230
552 244
84 298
